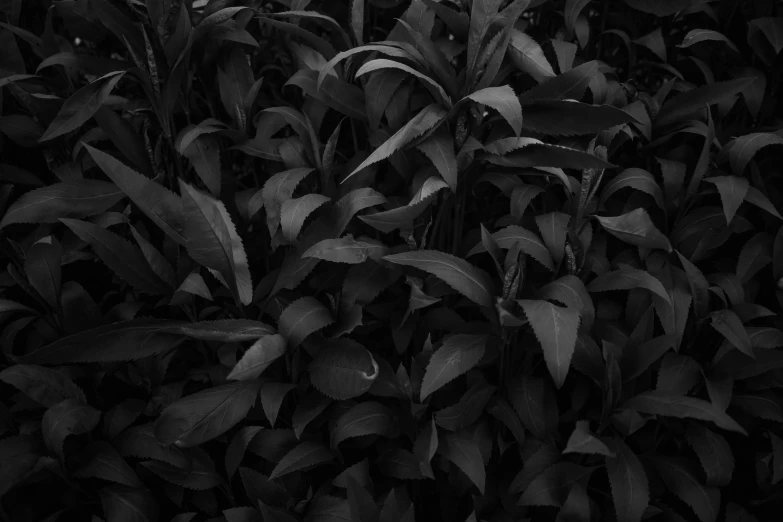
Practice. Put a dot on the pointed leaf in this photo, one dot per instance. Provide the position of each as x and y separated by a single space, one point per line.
81 106
465 454
126 504
123 258
365 418
294 212
569 118
638 179
583 441
569 85
655 403
685 104
258 357
105 463
553 227
741 150
732 191
458 354
714 454
439 148
472 282
71 416
570 291
528 242
425 120
346 250
528 56
303 456
629 483
705 501
636 228
555 328
163 207
504 100
44 386
303 317
731 327
77 199
205 415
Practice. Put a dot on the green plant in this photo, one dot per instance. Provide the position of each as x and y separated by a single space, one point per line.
378 261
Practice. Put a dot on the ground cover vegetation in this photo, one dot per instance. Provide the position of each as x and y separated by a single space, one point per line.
391 260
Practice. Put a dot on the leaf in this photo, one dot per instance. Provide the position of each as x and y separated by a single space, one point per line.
122 341
655 403
628 480
661 8
685 104
343 369
204 154
730 326
277 191
343 97
439 148
535 403
236 449
528 56
366 418
472 282
69 417
555 328
163 207
536 154
425 120
272 396
458 354
403 216
44 386
732 191
346 250
705 501
212 241
638 179
465 454
569 117
81 106
654 42
303 317
468 409
699 287
310 407
695 36
21 129
225 330
126 504
378 91
303 456
553 227
105 463
504 100
200 475
205 415
636 228
714 453
294 212
76 199
569 85
583 441
756 197
528 242
570 291
258 357
741 150
123 258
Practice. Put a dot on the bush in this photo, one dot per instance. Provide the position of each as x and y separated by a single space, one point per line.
391 260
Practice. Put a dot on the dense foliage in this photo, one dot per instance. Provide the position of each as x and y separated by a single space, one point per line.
391 260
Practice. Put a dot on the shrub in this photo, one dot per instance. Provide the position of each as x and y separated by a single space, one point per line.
391 260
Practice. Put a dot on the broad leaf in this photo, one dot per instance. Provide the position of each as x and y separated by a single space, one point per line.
704 500
714 453
71 416
684 105
346 250
69 199
636 228
527 242
732 190
570 85
505 101
126 504
583 441
205 415
472 282
638 179
294 212
553 227
46 387
731 327
741 150
465 454
568 117
528 56
555 328
570 291
363 419
303 317
82 105
457 355
343 369
439 148
102 461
